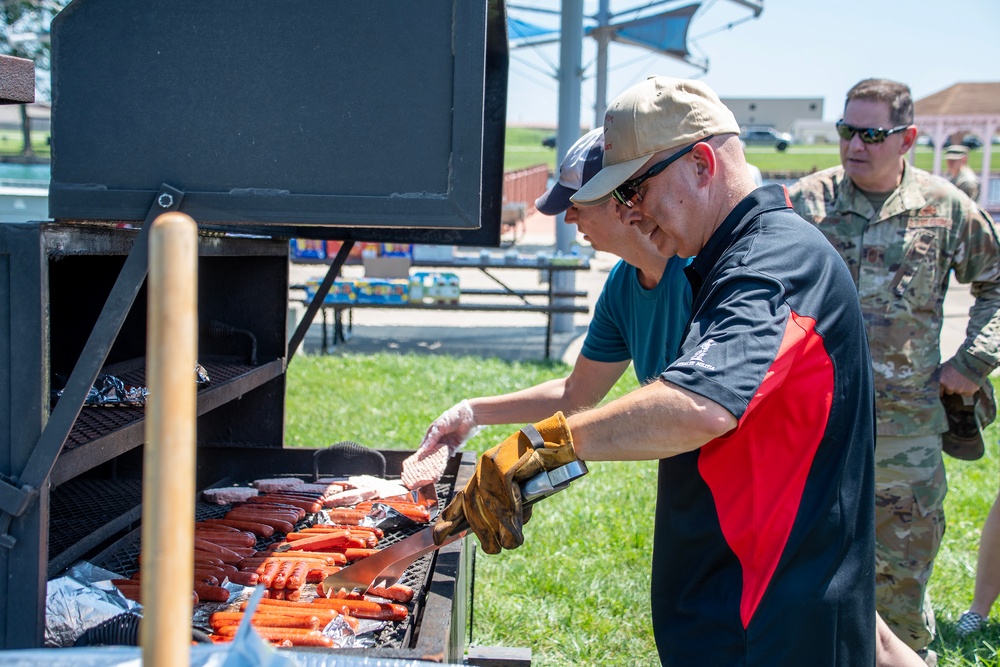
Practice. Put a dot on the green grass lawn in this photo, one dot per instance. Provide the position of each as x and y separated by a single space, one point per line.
523 148
12 143
577 591
803 158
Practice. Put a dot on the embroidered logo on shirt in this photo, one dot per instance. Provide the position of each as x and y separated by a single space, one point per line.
698 358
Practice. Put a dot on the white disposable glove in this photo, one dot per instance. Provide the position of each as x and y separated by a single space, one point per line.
444 437
453 428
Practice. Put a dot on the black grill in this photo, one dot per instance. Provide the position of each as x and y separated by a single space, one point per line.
74 301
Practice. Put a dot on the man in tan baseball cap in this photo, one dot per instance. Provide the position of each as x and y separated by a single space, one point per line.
764 424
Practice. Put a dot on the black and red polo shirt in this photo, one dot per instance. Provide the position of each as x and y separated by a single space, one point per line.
764 551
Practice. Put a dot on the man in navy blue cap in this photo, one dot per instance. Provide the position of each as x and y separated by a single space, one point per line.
639 317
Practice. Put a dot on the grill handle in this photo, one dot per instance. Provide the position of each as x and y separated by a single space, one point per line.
350 458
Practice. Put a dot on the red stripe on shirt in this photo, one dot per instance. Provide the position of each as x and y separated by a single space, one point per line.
758 472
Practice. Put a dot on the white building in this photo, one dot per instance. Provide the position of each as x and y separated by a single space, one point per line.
814 132
779 113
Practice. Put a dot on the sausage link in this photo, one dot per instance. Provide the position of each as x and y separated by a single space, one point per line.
346 516
281 576
297 636
338 538
270 569
258 529
397 592
226 555
380 611
280 525
211 593
297 577
244 578
223 618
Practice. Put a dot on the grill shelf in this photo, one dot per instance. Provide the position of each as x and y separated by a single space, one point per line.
117 430
87 515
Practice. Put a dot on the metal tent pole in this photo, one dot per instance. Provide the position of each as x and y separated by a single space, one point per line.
570 75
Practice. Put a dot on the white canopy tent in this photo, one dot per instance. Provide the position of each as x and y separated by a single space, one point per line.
966 108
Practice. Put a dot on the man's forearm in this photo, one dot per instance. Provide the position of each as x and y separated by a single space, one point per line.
980 353
656 421
525 406
589 382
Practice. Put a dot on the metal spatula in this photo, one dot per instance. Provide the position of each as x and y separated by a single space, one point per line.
388 565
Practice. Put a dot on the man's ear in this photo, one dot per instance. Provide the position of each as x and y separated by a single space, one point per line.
706 160
909 139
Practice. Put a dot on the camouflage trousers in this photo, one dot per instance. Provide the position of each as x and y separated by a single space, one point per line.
910 486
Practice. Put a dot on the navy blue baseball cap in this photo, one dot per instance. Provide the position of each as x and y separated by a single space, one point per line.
582 161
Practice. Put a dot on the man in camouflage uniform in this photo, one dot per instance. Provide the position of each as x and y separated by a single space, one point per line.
956 158
902 232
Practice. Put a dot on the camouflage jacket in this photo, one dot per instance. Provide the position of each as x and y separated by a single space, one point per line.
967 182
901 259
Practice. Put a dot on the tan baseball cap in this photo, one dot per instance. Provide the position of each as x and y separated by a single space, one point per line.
656 115
955 152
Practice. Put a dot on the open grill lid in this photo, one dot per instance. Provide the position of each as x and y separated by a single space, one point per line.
316 119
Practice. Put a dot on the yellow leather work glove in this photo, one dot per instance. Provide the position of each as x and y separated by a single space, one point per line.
491 501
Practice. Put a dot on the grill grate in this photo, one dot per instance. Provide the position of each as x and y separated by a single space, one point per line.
124 558
82 507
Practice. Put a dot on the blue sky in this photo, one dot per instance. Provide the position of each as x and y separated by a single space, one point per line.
796 48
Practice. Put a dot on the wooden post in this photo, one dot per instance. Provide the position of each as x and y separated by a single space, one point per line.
168 492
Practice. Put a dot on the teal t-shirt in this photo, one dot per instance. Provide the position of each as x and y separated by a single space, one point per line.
646 326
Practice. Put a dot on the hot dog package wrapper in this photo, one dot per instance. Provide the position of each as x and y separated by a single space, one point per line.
76 602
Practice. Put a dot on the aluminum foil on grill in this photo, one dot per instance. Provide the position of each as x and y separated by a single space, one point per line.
76 602
112 391
388 518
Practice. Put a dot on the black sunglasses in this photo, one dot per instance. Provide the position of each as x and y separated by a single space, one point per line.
627 194
869 135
